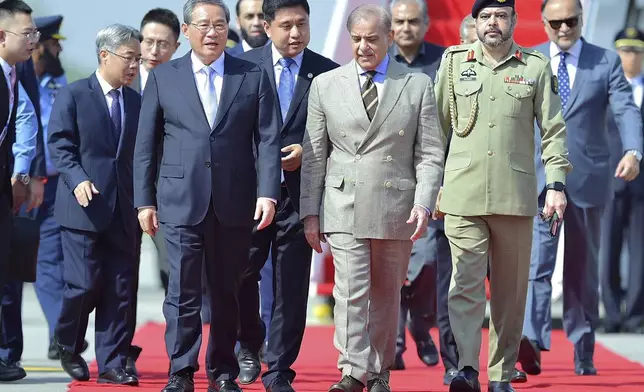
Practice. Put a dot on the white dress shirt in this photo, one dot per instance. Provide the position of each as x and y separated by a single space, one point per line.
246 46
638 89
572 60
106 87
143 77
202 79
6 69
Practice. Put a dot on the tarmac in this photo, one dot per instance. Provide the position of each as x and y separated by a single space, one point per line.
44 375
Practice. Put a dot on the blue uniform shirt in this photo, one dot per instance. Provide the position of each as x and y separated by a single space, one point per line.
49 87
24 148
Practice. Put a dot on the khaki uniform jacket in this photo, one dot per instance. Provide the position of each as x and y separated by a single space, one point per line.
491 170
364 177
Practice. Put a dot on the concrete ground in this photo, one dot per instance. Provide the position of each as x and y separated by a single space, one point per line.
46 375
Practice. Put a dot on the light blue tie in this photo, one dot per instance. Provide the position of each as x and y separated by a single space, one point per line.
564 80
287 83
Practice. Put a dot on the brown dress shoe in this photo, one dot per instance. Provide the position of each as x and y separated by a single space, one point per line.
347 384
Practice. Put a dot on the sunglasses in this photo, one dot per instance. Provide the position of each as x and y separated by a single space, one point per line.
570 22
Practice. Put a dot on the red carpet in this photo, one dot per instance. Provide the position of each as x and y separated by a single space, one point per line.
316 368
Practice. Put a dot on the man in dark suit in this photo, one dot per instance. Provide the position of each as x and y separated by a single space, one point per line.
623 220
92 131
290 67
250 22
206 108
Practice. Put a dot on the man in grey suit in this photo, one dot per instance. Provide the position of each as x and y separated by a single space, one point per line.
371 169
590 79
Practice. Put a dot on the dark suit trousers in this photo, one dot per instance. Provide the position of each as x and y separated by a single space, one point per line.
291 258
623 221
226 258
98 273
6 225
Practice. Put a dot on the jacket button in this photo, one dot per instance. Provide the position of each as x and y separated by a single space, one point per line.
358 157
212 138
389 158
284 135
208 164
388 184
343 134
490 153
401 133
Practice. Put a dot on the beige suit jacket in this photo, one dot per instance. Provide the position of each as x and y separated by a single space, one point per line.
364 177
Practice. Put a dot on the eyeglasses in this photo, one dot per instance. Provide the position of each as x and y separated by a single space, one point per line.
162 45
570 22
128 59
204 28
32 36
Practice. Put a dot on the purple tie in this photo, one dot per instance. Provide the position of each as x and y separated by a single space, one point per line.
115 113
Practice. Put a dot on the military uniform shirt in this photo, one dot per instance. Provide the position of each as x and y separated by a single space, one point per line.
49 88
491 170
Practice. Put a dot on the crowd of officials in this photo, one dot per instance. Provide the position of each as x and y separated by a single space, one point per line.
428 170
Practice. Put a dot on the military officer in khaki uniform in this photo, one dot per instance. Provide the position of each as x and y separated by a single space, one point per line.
489 94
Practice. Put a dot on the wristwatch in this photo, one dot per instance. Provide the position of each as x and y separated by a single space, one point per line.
556 186
637 154
23 178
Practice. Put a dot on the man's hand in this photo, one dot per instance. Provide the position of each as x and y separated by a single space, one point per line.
20 194
84 192
148 220
292 161
555 201
312 233
419 216
628 168
36 193
437 213
265 209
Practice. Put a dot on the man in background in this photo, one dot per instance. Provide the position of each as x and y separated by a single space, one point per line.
250 22
468 30
623 219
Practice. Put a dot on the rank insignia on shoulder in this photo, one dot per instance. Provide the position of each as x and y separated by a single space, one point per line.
519 55
471 55
554 83
518 79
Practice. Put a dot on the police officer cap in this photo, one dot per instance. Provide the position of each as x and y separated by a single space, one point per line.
630 39
233 38
480 4
49 27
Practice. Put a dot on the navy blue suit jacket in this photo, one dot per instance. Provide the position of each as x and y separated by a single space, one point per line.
292 128
201 165
599 84
82 148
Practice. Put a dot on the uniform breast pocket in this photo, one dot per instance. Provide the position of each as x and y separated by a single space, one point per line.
519 100
466 94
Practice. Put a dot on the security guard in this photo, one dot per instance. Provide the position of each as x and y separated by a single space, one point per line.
489 94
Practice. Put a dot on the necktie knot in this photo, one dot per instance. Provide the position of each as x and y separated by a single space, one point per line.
114 93
370 74
208 71
286 62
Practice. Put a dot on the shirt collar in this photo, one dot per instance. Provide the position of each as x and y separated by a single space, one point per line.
246 46
6 68
475 52
142 71
105 86
381 68
277 56
217 65
574 51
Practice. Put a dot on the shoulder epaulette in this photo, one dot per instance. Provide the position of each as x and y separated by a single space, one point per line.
535 53
457 48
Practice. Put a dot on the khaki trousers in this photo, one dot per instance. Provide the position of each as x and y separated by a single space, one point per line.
506 242
369 275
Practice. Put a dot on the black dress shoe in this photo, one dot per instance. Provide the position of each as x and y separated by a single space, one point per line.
73 364
449 376
467 380
130 361
181 381
224 386
378 385
52 351
118 377
280 384
399 364
249 367
519 377
497 386
347 384
11 371
585 368
427 352
530 356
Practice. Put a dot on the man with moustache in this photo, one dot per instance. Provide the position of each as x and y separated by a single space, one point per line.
290 67
489 95
211 112
591 81
371 168
250 22
92 131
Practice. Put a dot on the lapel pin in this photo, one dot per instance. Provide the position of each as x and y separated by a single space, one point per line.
310 75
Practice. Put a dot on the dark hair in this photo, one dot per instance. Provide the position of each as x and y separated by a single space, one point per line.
165 17
545 2
13 7
270 7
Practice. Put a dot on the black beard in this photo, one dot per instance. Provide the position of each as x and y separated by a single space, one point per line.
52 65
255 41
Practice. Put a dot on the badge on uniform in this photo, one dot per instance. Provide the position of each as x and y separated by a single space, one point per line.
554 83
518 79
468 74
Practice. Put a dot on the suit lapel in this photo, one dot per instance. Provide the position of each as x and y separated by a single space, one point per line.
351 90
585 57
233 78
136 82
188 88
302 85
4 101
396 79
99 100
266 62
128 109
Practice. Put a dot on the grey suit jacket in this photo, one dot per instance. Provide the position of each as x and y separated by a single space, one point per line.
364 177
599 84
